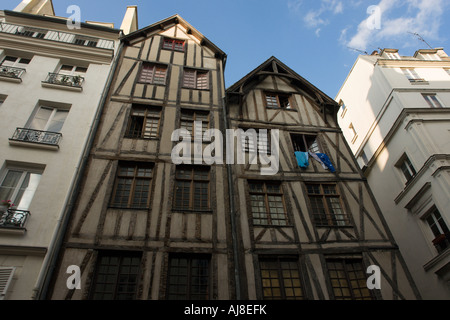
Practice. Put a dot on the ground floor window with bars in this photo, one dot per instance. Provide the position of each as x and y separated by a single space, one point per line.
267 203
144 122
348 279
280 278
188 277
326 205
116 276
132 185
192 188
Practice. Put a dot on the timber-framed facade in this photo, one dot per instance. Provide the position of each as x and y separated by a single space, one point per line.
330 229
146 228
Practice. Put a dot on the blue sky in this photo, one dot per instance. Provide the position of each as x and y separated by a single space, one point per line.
310 36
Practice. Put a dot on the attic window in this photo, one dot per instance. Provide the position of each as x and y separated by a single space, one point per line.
172 44
278 100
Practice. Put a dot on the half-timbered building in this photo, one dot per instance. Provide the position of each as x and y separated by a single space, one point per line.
312 230
144 227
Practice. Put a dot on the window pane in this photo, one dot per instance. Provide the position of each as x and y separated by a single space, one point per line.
57 121
27 190
41 118
9 184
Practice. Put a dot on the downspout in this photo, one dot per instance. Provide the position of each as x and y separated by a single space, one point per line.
232 213
43 282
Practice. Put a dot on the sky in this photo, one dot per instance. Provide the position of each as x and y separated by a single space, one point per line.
318 39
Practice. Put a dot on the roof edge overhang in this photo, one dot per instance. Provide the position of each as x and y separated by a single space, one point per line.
59 21
318 95
175 19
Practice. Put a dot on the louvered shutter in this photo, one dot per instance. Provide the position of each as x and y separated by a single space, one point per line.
6 274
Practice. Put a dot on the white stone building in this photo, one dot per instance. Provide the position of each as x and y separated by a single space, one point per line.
395 115
52 85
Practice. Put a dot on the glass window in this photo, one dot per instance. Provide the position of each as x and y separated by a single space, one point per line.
144 122
281 279
116 276
192 188
188 278
326 205
267 204
19 186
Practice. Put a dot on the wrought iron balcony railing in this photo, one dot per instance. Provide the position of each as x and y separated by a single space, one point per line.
37 136
442 242
11 72
13 218
64 80
54 35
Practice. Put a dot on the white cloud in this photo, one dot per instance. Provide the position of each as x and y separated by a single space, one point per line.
421 16
314 18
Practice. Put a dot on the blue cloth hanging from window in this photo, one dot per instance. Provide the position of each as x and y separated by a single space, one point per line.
302 159
324 158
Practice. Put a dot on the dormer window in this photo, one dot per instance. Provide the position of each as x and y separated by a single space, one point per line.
278 100
392 55
173 44
430 56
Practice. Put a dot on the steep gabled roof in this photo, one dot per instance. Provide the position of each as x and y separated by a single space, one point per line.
275 67
166 23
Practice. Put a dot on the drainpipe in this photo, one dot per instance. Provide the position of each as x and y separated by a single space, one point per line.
43 282
232 213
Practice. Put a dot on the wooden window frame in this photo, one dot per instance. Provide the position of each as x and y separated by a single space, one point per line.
328 216
278 275
131 195
279 103
131 133
189 274
338 277
185 117
268 215
261 147
118 274
310 141
195 76
150 79
192 180
173 44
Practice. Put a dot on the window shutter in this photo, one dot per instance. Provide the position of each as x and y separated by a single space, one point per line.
6 274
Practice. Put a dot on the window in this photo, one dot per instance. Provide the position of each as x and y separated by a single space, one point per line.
192 188
85 41
72 70
48 119
144 122
262 137
267 204
132 187
278 100
348 279
281 279
189 116
343 108
116 276
432 100
31 32
11 61
153 73
19 186
305 143
412 75
439 229
392 55
406 168
6 275
189 278
196 79
430 56
326 205
172 44
364 158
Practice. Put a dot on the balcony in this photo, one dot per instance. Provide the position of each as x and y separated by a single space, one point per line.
37 138
63 81
11 73
13 218
442 242
53 35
